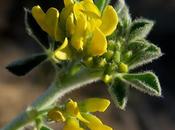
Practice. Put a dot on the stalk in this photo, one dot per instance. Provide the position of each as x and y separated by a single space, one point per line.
58 89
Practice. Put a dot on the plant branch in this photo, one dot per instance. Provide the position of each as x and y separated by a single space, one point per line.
58 89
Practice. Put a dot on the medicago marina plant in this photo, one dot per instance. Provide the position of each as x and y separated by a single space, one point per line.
86 41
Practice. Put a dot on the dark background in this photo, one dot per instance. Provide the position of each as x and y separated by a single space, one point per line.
143 112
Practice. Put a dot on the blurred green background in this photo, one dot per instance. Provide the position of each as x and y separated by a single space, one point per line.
142 113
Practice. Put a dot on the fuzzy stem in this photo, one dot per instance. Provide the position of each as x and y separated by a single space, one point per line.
58 89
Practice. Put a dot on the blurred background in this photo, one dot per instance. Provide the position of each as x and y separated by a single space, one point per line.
142 113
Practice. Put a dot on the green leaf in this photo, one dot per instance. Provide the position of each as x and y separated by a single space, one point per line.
34 30
143 52
45 128
23 66
146 82
123 13
124 19
140 28
101 4
118 92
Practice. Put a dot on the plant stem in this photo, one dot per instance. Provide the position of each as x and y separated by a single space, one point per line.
58 89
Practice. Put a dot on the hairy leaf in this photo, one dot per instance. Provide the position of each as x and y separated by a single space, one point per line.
143 52
23 66
123 13
118 92
124 19
34 30
140 28
146 82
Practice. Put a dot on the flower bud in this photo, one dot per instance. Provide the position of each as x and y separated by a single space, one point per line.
123 68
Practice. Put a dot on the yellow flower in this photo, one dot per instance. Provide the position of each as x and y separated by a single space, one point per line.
73 113
81 23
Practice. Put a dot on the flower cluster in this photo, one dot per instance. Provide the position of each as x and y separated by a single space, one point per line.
72 113
80 25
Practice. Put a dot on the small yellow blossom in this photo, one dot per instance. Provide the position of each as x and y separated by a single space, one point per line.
73 113
82 25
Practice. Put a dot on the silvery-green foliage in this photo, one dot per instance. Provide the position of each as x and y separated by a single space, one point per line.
146 82
140 28
135 51
119 93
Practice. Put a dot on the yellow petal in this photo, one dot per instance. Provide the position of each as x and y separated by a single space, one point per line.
89 1
59 34
81 24
70 25
94 104
77 9
56 115
39 16
64 15
47 21
95 123
68 2
64 45
93 23
90 7
109 20
77 42
81 118
61 53
72 108
98 45
72 124
51 21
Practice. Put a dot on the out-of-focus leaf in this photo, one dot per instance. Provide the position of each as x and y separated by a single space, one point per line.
23 66
45 128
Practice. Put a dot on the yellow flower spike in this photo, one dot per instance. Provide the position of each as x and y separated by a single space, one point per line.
72 124
95 123
94 105
56 115
68 2
62 53
109 20
98 45
48 21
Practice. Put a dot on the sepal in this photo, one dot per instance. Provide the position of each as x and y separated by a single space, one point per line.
24 66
